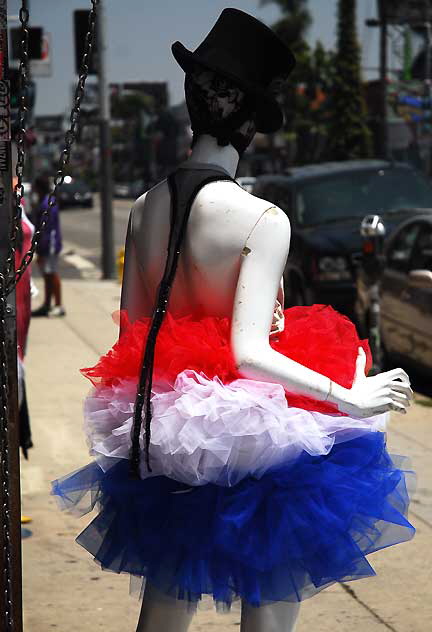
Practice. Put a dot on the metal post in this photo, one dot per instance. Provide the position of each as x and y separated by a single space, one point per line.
428 87
10 534
383 81
108 263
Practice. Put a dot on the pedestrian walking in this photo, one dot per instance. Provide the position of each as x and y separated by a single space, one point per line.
238 450
48 250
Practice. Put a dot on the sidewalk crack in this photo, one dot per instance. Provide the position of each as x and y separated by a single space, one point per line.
376 616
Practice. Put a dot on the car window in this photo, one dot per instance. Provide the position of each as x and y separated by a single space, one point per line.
422 255
355 194
399 254
282 197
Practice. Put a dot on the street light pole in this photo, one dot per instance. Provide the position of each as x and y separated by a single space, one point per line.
428 85
108 264
383 83
382 123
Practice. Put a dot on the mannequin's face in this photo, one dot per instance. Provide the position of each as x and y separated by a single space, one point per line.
215 104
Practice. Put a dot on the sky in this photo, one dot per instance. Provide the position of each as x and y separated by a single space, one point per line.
140 34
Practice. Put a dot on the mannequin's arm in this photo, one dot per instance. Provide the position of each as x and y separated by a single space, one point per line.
132 285
260 273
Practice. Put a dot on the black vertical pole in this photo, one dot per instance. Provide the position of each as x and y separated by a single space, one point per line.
428 83
10 506
108 264
384 148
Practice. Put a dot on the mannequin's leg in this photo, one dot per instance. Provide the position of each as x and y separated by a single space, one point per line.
162 613
277 617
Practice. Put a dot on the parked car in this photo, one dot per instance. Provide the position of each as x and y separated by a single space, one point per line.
74 192
406 294
325 204
130 189
247 182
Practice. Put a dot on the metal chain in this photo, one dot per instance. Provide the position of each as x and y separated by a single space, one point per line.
20 136
8 280
4 451
6 525
69 139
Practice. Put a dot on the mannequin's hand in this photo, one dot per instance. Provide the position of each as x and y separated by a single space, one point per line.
278 323
377 394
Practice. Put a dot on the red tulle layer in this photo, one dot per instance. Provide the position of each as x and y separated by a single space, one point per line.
317 337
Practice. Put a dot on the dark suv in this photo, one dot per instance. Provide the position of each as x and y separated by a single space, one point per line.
325 204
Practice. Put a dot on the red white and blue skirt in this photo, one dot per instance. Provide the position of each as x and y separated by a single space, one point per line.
254 493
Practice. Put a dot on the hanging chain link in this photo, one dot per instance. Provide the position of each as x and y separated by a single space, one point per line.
20 135
8 280
69 139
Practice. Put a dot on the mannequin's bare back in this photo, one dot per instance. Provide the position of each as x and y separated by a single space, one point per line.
222 218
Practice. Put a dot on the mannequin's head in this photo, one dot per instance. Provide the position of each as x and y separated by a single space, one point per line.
219 108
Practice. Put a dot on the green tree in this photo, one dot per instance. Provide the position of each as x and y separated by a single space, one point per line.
349 135
294 22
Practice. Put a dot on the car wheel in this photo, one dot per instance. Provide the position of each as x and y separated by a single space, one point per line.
295 294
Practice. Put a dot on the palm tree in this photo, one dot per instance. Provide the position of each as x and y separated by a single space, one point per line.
294 23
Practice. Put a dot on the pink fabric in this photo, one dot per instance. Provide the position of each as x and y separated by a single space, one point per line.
23 297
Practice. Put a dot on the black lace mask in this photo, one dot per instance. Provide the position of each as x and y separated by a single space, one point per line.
219 108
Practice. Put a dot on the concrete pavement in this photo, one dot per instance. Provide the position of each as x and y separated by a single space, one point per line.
64 590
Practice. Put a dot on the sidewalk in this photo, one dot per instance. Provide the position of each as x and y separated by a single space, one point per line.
63 588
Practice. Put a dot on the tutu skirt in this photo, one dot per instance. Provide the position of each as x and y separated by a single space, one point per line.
250 496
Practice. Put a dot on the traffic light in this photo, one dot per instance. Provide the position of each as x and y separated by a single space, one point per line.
81 18
14 78
34 42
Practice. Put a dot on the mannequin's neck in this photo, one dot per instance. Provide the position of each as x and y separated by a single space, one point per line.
206 150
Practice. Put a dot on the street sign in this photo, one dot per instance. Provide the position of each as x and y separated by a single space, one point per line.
43 67
81 18
34 42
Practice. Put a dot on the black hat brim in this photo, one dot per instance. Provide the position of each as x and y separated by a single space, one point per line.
269 116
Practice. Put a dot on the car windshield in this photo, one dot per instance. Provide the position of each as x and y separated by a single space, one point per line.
355 194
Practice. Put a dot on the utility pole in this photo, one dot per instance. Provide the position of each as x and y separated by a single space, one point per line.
10 509
383 84
428 85
383 123
108 262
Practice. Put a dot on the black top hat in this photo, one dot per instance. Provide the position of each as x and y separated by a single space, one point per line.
243 49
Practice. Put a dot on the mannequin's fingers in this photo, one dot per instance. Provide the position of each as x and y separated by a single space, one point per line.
401 398
396 374
400 387
360 365
396 406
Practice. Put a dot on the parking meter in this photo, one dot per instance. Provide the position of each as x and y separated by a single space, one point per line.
373 232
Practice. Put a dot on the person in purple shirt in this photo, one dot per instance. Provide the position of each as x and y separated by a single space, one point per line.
48 250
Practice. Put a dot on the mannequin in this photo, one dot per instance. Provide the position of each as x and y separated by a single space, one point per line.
264 478
209 277
226 221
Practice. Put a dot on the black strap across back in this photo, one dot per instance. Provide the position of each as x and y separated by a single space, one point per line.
184 184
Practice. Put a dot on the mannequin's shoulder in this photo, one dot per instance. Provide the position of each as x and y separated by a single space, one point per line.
157 195
158 190
228 194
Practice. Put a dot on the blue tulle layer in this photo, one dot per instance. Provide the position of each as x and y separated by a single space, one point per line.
285 536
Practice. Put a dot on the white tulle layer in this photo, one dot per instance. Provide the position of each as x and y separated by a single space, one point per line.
204 431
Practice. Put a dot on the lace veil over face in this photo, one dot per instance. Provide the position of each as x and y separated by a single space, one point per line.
219 108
